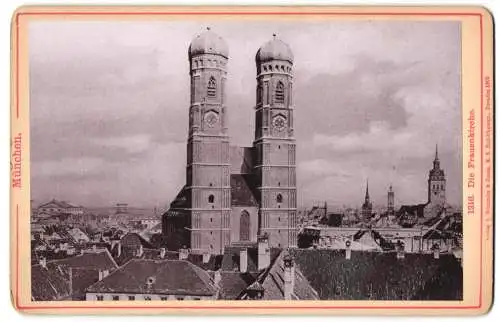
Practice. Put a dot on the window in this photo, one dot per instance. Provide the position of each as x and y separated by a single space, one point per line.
116 298
196 298
147 298
212 87
164 298
244 226
279 198
180 298
211 199
131 298
210 184
280 93
100 297
211 220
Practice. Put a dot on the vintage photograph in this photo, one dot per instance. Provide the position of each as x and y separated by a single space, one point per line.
258 159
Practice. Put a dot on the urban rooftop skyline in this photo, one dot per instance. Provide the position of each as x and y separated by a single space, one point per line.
109 107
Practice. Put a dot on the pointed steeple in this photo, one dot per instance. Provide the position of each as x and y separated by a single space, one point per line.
436 159
367 194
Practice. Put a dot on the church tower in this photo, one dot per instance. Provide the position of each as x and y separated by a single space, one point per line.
390 201
208 167
436 184
366 208
274 144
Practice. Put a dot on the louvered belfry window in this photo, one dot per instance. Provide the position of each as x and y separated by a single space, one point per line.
212 87
280 93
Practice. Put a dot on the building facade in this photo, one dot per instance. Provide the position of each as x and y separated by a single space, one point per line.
234 194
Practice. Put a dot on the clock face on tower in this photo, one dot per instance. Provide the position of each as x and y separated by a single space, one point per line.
211 119
279 123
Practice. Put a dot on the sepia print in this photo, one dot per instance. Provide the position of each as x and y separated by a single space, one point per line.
263 159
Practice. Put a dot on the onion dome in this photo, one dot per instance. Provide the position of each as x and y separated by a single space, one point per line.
208 42
274 49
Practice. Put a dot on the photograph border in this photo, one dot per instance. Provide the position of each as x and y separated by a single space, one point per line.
483 200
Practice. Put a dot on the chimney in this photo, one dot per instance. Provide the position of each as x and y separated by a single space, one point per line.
206 257
140 251
217 277
289 276
348 249
43 262
264 253
162 252
183 253
435 251
103 274
400 250
243 260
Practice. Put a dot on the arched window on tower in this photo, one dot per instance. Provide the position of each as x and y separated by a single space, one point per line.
212 87
280 93
279 199
244 226
211 199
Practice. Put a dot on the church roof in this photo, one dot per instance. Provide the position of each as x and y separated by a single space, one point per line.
208 42
243 187
275 49
181 200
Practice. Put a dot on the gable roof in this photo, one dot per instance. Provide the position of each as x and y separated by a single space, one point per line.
273 282
233 284
57 204
168 276
134 241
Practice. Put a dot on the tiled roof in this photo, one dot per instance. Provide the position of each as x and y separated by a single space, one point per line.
233 284
128 253
273 282
135 241
101 259
243 187
67 278
373 275
49 284
167 277
214 263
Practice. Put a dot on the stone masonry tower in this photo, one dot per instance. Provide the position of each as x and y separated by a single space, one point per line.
436 184
208 165
275 144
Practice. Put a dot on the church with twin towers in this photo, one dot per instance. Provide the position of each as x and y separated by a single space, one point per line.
236 195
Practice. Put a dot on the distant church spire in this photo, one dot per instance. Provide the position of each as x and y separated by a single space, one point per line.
367 194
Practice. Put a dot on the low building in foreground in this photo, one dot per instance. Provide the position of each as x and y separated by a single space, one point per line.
154 280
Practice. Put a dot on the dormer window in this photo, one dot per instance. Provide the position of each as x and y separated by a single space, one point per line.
212 87
280 93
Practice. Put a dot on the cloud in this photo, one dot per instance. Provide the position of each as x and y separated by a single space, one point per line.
109 105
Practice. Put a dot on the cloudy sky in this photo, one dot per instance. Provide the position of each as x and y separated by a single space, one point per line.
109 107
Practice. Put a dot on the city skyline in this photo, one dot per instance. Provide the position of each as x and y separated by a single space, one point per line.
119 116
